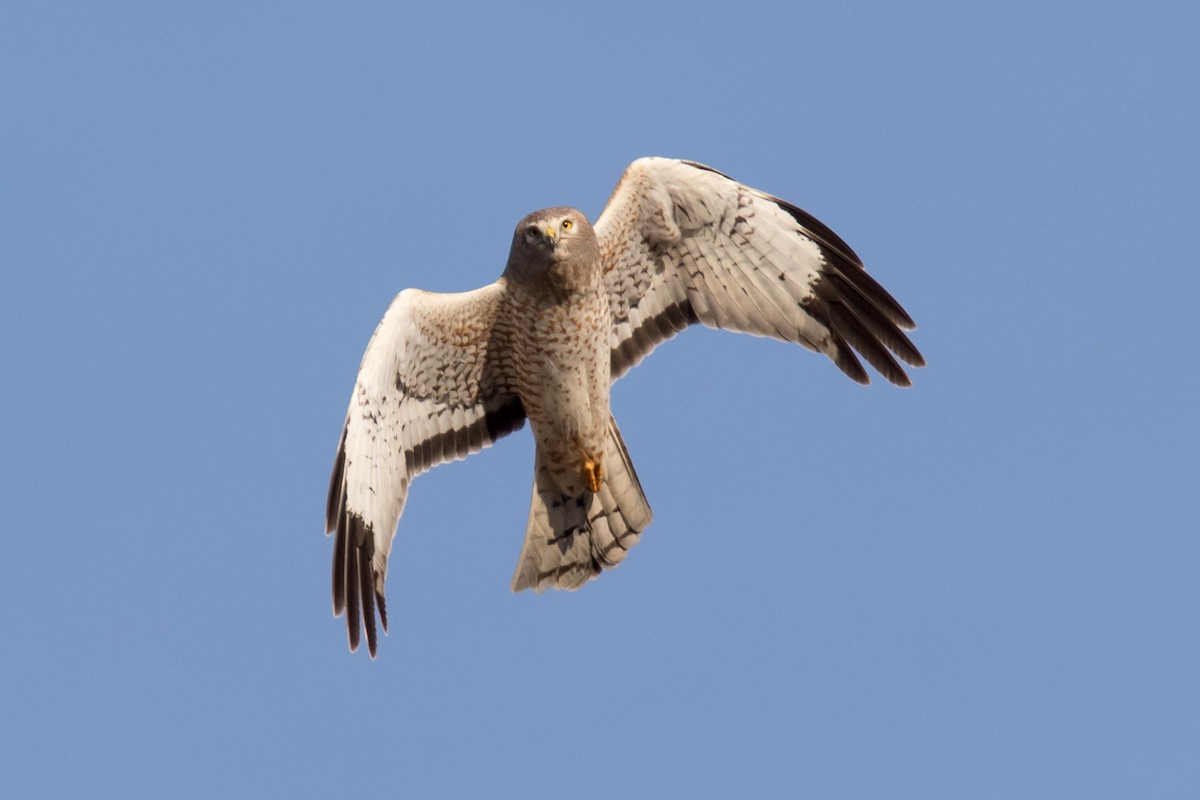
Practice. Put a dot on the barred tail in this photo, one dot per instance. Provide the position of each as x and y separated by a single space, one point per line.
569 540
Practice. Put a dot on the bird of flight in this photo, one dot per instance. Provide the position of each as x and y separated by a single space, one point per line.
578 306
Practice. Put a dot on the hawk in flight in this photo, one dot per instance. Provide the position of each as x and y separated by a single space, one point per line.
577 307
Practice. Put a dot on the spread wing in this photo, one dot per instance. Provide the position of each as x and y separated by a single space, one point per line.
434 386
682 243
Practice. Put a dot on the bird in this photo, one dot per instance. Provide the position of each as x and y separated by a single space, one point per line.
577 306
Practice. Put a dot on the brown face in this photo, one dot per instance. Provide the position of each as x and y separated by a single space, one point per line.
546 230
554 244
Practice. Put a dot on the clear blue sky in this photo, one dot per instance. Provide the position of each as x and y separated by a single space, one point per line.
983 586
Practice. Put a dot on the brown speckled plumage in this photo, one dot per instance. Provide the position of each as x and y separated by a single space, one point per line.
447 374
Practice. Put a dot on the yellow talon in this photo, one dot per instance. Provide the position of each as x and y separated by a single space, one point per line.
593 474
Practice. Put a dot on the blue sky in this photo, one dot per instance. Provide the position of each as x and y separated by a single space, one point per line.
982 586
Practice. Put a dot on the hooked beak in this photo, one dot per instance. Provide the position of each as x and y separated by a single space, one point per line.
550 235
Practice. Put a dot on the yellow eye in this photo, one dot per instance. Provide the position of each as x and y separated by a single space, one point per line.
567 225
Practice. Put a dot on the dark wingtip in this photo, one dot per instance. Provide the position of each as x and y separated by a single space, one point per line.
843 258
819 231
869 318
846 361
367 588
354 591
372 638
863 340
339 571
336 499
353 609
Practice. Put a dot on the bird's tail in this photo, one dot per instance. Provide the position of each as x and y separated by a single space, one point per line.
571 539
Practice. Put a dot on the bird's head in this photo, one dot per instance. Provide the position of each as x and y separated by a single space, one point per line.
555 245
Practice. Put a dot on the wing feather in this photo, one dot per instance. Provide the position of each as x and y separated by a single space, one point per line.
434 386
682 243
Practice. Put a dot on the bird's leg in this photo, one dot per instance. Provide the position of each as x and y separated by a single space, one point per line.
593 474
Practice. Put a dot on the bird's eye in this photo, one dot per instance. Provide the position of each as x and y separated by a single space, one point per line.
531 233
567 225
